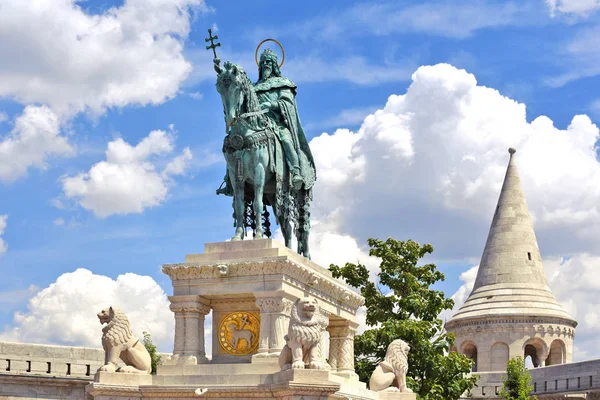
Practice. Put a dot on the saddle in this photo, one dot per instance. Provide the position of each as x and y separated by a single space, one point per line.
236 142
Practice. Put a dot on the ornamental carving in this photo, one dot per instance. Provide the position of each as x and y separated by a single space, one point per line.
514 328
239 333
189 307
341 332
274 305
292 272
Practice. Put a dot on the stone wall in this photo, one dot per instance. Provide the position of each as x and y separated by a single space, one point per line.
548 382
46 360
29 371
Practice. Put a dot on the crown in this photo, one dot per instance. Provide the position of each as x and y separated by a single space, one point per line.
268 54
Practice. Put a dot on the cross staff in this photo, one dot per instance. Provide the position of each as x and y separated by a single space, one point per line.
211 39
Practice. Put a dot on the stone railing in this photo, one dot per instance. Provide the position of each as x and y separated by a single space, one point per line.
548 382
47 360
580 377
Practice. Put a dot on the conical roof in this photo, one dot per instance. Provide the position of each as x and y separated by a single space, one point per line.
511 279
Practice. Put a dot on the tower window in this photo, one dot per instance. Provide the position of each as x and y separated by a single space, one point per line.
529 256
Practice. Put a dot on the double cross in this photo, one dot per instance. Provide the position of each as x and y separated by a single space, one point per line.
212 39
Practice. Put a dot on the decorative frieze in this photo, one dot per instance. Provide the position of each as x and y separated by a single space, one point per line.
292 272
516 327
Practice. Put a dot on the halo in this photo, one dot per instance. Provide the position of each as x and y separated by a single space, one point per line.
269 40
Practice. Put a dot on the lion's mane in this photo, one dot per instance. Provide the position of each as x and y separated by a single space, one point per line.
304 329
118 330
397 356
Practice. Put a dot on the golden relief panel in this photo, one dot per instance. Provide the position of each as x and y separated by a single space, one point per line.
239 333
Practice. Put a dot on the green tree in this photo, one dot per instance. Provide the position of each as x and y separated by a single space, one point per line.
517 383
152 350
402 305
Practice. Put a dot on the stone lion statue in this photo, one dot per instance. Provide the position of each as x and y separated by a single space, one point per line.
390 374
119 342
302 349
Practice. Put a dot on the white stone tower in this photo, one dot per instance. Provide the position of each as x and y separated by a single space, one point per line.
511 311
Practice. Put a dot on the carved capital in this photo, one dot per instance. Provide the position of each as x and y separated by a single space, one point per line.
274 305
296 274
190 307
341 332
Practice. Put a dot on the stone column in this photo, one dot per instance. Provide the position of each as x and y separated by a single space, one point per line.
274 322
190 314
341 348
543 357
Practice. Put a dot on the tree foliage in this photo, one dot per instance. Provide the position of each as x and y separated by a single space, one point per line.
152 351
402 305
517 383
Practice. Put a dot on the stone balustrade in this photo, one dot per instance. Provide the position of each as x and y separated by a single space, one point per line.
47 360
548 382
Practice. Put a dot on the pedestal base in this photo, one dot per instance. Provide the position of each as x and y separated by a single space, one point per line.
177 359
396 396
117 385
122 379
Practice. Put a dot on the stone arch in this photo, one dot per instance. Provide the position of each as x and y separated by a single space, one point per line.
469 349
499 356
558 353
537 349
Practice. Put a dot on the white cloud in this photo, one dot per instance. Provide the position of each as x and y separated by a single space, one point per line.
196 95
128 181
59 222
3 245
3 116
65 311
35 138
463 292
131 54
574 7
429 166
179 164
432 161
575 282
579 57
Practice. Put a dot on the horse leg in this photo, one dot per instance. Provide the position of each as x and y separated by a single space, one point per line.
259 185
303 229
286 229
239 208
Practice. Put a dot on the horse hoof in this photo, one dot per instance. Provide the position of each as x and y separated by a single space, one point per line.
259 236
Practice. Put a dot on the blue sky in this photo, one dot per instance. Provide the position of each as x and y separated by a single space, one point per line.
88 88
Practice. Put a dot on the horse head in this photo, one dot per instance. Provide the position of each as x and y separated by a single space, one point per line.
236 92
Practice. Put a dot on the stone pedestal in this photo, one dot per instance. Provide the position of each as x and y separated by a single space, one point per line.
396 396
251 287
117 385
246 279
